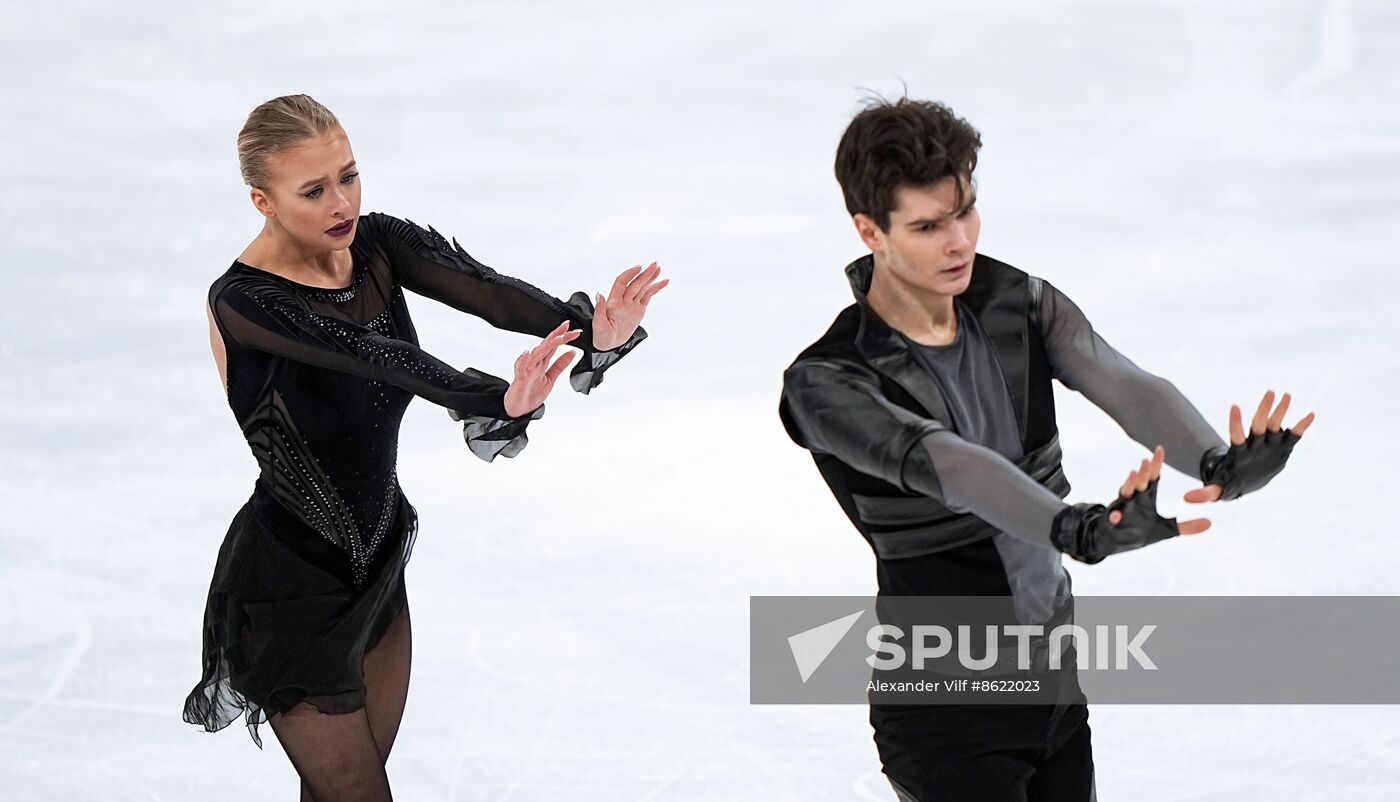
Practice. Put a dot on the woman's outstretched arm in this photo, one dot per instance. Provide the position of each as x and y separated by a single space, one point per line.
261 314
427 264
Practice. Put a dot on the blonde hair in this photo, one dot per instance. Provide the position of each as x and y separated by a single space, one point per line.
277 125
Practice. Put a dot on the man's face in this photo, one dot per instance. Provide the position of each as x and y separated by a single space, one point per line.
314 186
930 243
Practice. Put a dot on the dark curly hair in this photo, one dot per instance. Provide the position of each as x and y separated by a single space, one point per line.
904 142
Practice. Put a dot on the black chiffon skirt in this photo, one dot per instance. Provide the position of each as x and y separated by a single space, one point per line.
284 621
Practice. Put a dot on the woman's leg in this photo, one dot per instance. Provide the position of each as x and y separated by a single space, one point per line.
335 754
386 681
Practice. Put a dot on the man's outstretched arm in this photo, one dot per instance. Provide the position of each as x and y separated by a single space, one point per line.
1148 407
838 409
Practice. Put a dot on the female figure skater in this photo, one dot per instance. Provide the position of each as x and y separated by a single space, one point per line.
307 623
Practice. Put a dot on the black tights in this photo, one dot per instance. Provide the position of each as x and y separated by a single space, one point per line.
341 758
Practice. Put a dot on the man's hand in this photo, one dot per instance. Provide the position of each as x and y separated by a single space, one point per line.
1249 463
1086 533
532 380
618 315
1150 471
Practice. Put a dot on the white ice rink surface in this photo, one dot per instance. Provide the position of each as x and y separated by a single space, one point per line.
1216 184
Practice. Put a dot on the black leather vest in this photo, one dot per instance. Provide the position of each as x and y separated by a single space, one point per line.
1006 303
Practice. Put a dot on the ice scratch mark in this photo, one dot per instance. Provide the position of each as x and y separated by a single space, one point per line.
82 642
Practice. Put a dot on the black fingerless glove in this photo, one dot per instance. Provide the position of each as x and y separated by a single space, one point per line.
1246 467
1083 532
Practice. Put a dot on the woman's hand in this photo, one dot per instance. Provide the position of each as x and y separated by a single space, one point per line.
533 380
1251 463
618 315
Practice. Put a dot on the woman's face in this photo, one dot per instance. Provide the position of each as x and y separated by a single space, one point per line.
314 186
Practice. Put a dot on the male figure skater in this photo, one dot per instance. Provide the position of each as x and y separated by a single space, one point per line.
928 408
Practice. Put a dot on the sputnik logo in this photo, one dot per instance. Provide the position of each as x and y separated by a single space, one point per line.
811 648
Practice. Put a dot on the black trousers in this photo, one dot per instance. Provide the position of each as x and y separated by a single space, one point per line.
986 753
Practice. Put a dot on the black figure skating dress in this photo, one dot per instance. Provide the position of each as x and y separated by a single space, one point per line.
310 573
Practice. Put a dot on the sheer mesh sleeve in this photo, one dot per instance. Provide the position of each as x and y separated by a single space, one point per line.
1151 410
428 265
839 410
973 478
260 314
